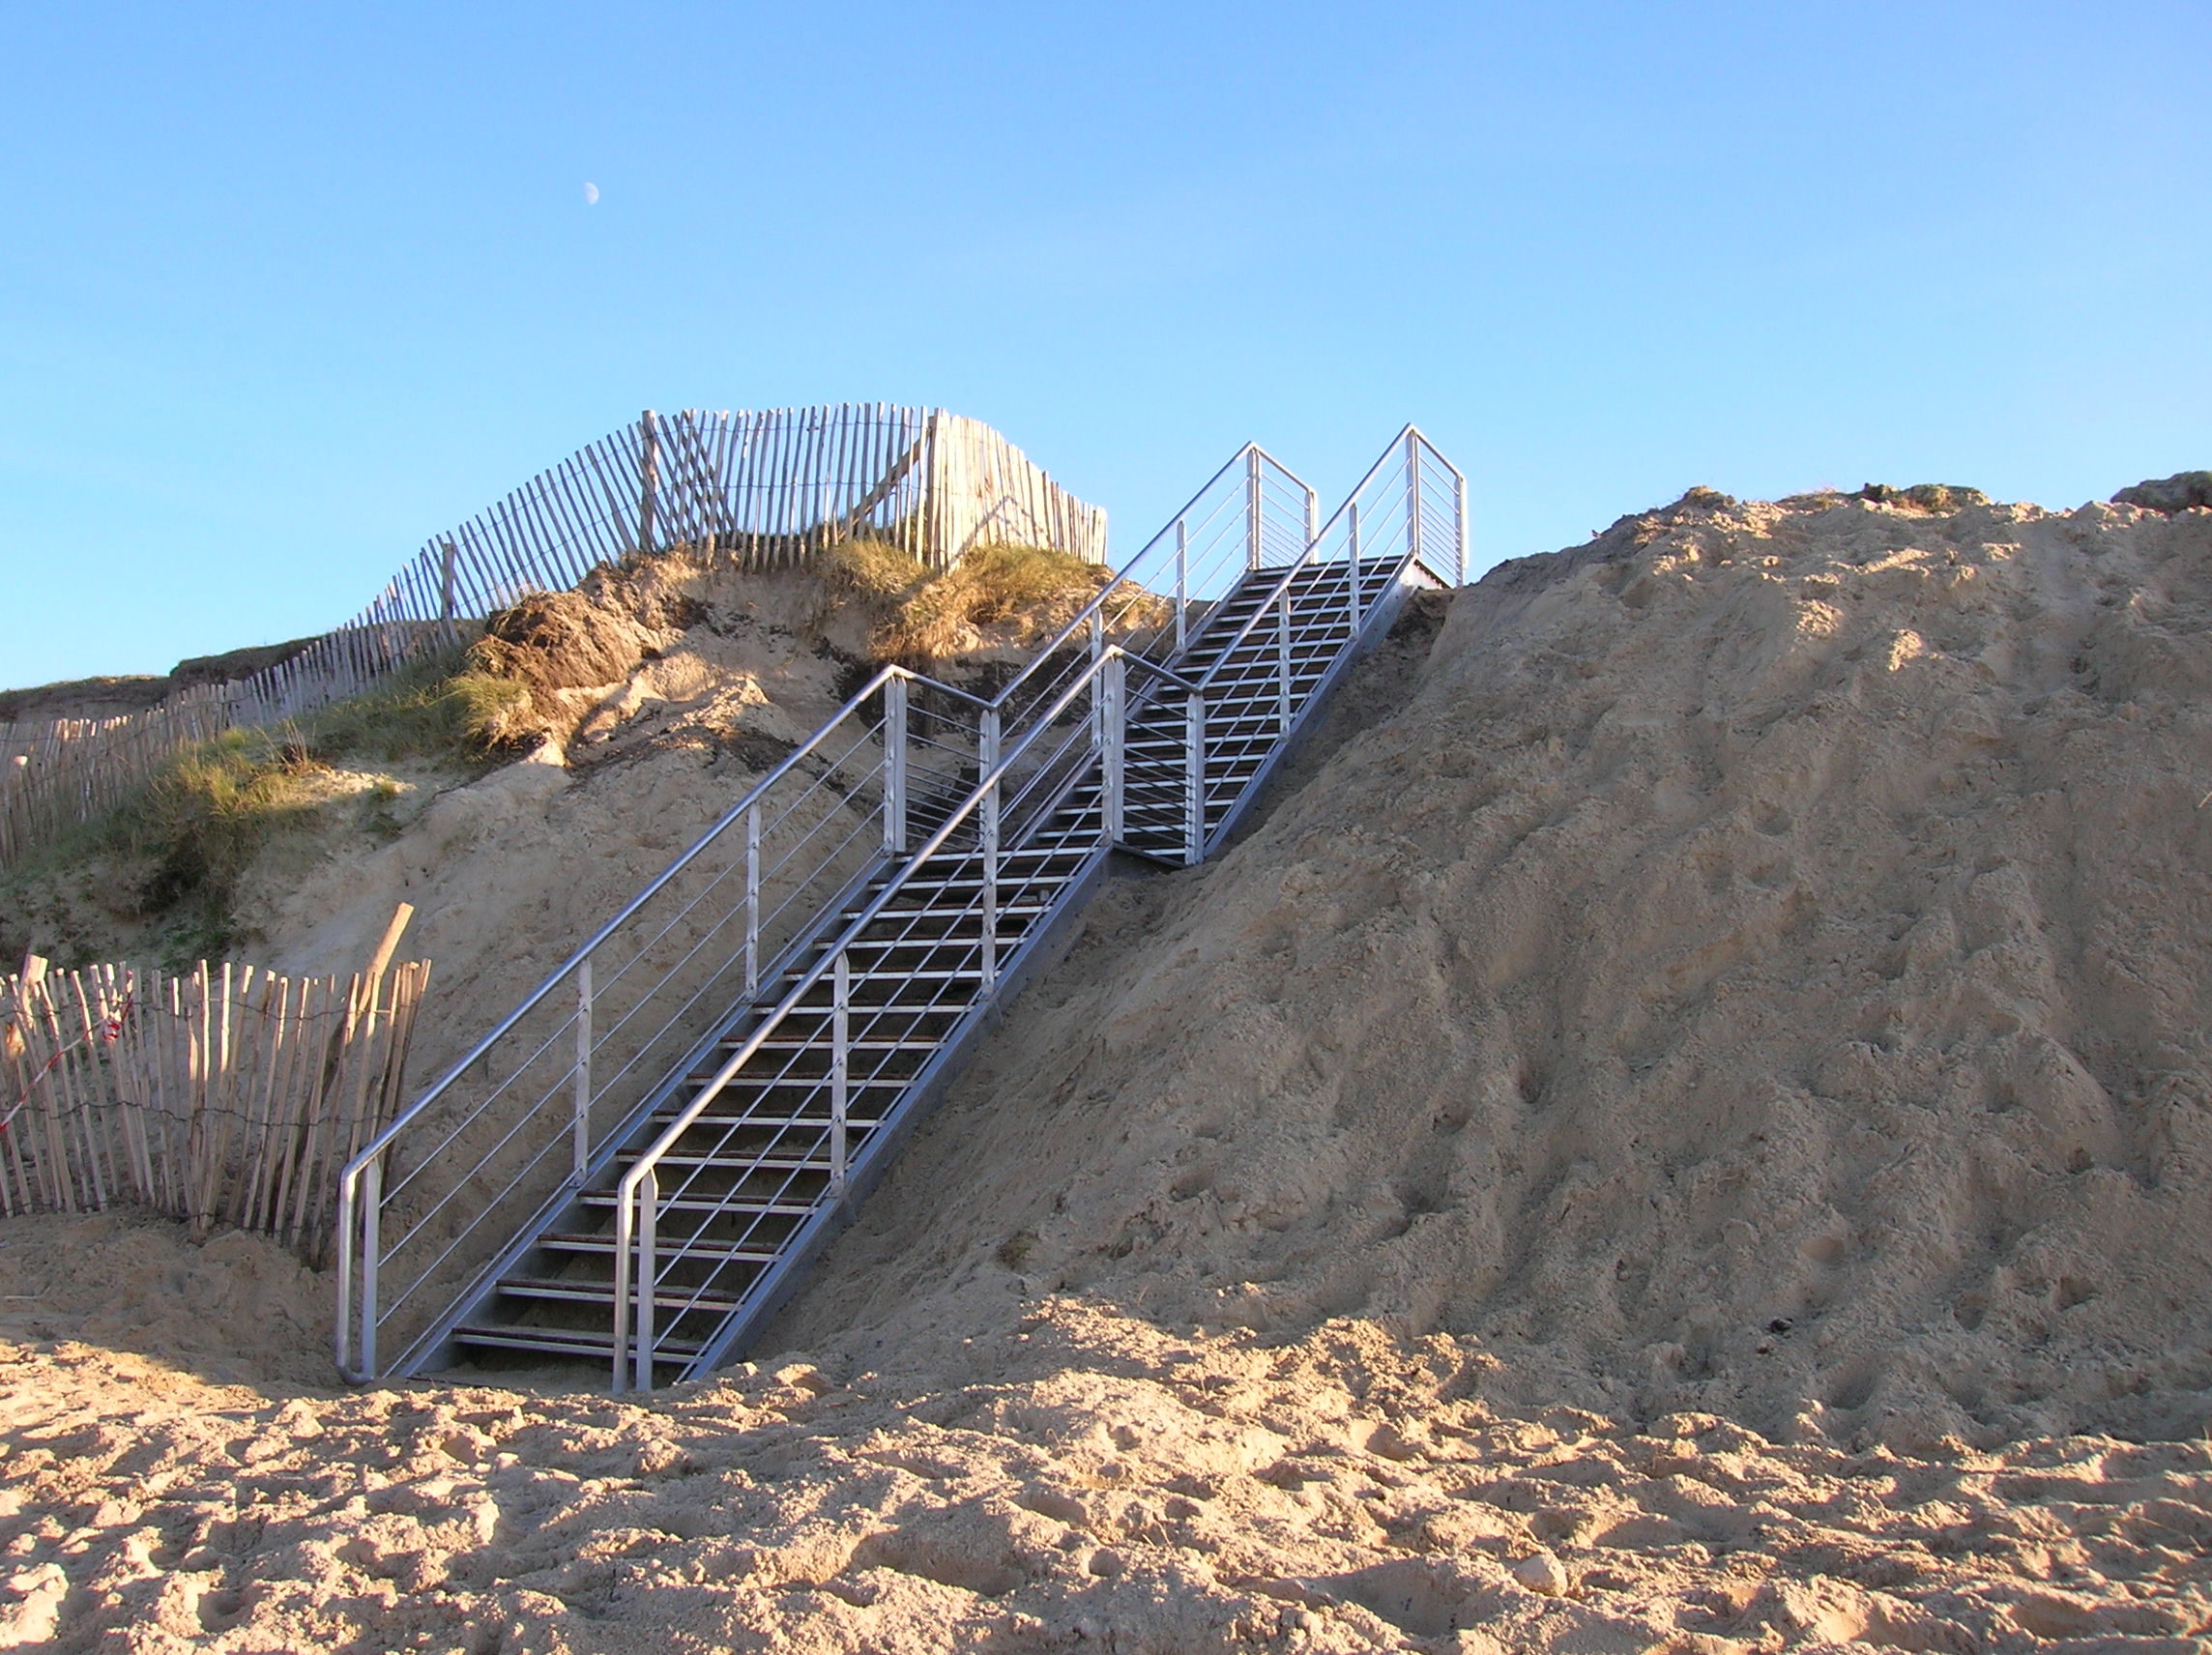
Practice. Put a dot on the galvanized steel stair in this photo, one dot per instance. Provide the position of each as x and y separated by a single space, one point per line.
754 1163
756 1171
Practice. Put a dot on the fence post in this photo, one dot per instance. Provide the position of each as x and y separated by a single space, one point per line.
1283 657
1252 546
987 757
840 1039
1111 682
447 608
894 765
580 1128
649 483
1194 764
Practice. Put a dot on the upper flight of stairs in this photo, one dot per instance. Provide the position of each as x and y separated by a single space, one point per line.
753 1167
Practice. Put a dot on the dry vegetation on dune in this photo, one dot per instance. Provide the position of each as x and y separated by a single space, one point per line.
641 705
1686 1126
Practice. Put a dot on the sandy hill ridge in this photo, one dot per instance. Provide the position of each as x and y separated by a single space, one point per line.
1683 1127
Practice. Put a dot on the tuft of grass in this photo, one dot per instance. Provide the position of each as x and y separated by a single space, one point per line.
429 711
199 822
870 570
1038 586
1938 498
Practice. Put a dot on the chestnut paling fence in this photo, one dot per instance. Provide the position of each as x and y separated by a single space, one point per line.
751 490
223 1095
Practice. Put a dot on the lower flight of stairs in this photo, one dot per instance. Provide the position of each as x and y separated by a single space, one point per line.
759 1180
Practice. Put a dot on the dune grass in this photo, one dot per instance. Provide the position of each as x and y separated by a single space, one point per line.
196 824
1036 587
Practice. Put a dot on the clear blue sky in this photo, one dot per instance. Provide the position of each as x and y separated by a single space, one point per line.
283 290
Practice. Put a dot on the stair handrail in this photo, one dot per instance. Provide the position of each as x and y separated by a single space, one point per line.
1412 444
358 1259
627 1208
560 973
1092 612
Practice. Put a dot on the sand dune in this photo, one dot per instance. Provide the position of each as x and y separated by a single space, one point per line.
1683 1127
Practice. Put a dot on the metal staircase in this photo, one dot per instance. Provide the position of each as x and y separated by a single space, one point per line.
638 1164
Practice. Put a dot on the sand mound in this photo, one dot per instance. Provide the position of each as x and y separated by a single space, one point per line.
237 1307
1759 970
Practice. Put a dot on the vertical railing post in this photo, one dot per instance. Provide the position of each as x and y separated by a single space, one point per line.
1412 497
1113 677
1194 767
987 756
1097 655
1283 657
1182 585
894 765
1312 515
1459 530
580 1126
752 898
648 1274
1352 515
371 1240
626 1234
840 1038
1253 549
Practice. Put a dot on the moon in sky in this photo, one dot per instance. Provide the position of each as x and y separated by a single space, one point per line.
591 195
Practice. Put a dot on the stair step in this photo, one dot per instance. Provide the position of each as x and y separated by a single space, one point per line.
549 1290
933 975
727 1206
854 1123
686 1250
745 1165
569 1342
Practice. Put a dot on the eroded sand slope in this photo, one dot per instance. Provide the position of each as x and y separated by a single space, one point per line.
1760 969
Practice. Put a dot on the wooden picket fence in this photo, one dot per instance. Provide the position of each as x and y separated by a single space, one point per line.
224 1095
749 490
85 766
